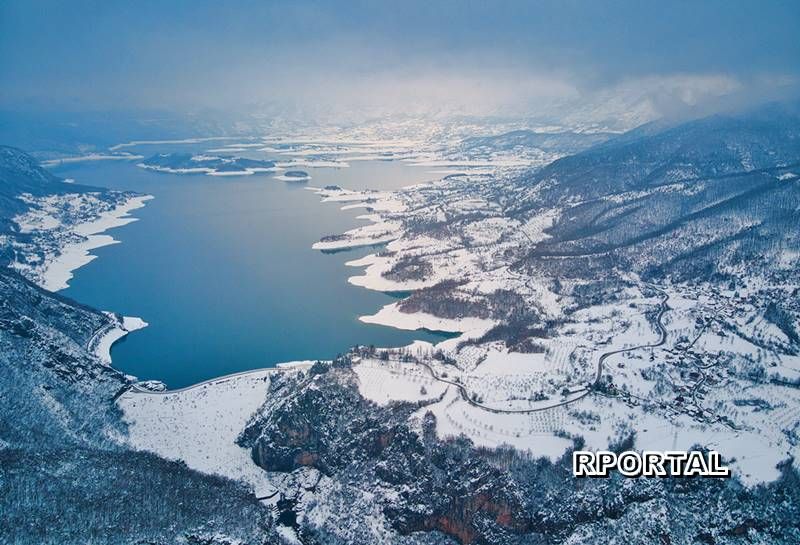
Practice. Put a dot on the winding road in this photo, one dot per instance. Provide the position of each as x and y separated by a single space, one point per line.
585 391
662 338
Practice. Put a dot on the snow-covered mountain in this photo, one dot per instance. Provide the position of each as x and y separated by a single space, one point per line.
699 199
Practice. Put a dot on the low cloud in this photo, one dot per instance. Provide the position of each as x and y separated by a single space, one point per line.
585 63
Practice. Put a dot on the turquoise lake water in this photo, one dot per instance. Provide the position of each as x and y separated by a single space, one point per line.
223 271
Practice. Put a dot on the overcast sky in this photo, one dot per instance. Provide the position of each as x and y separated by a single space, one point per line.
471 57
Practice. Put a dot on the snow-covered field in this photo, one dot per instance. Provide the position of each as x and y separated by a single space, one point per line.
199 425
383 382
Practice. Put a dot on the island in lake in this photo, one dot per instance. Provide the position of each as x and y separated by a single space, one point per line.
212 165
294 176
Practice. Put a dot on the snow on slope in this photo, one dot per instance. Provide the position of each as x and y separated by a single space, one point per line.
383 382
199 425
527 432
69 245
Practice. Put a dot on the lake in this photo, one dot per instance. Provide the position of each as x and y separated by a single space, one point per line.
223 271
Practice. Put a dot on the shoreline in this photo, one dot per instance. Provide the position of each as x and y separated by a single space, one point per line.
391 316
382 231
74 242
56 272
100 344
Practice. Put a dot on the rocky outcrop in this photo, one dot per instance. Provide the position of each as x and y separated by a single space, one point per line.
324 423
